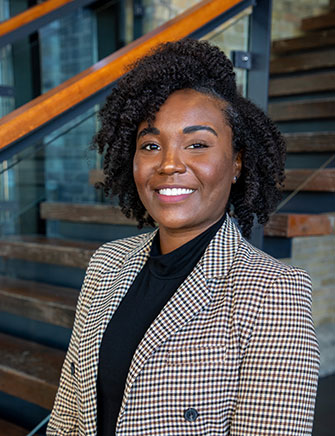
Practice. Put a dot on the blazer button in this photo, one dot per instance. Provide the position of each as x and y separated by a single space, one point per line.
191 414
73 368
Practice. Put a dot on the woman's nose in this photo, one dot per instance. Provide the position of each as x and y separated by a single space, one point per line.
171 162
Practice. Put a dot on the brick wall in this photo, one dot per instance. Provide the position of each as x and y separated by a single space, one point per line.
316 254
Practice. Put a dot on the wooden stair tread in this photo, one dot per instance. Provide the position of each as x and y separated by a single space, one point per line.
38 301
310 142
291 225
29 371
303 62
48 250
9 429
302 109
302 84
89 213
323 21
319 39
323 180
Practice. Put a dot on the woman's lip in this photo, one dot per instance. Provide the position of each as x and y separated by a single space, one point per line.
172 198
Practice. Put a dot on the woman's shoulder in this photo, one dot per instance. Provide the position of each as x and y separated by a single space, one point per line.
112 254
266 268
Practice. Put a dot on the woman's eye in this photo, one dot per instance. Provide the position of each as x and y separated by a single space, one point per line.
197 146
150 147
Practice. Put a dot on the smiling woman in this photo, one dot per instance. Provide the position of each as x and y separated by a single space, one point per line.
189 330
184 166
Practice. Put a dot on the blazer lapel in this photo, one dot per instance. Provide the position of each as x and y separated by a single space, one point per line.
110 290
190 298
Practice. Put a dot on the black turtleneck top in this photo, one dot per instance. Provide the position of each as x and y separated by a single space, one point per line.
153 287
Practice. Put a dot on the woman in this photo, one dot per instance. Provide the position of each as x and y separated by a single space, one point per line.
189 330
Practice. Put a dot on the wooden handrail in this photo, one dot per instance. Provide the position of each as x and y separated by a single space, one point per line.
30 15
48 106
34 18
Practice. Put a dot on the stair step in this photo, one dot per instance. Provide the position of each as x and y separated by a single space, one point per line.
319 39
29 371
310 142
303 62
324 21
10 429
303 84
302 109
74 254
323 180
85 213
289 225
38 301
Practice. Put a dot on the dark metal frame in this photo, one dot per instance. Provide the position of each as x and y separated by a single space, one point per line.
33 26
260 47
258 75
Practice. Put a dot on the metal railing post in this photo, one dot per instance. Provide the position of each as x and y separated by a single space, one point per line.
258 75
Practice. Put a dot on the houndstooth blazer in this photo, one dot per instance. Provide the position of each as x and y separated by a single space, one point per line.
233 352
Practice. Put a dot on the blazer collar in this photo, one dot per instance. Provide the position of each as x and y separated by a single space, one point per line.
219 255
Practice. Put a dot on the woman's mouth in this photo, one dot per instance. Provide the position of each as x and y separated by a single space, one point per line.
170 195
175 191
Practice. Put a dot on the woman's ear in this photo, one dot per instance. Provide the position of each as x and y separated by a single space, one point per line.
237 166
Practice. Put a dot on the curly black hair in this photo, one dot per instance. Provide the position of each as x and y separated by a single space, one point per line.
139 94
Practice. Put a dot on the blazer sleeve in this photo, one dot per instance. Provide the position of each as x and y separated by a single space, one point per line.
64 415
279 371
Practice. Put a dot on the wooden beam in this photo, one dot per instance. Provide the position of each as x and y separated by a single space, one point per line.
324 21
293 225
53 103
310 142
321 39
323 180
39 301
10 429
75 254
303 62
85 213
302 110
29 371
302 84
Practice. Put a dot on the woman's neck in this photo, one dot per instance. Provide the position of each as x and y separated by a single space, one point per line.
171 239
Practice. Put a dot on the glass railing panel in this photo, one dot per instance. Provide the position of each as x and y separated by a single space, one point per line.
233 35
67 47
158 12
56 168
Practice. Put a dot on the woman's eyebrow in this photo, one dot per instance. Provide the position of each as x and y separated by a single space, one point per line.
147 130
191 129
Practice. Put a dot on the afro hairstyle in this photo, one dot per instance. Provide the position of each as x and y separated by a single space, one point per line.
139 94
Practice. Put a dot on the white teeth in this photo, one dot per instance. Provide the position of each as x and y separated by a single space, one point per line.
175 191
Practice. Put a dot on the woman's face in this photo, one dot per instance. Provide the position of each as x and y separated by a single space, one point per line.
184 163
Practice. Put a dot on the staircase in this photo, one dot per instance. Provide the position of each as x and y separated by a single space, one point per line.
41 276
302 103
